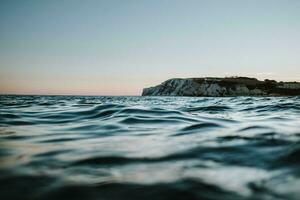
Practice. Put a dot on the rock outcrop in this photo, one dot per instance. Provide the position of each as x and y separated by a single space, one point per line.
217 87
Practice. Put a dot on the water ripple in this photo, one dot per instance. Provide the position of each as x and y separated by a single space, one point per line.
73 147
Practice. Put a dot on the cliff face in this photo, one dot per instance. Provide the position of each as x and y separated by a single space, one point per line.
237 86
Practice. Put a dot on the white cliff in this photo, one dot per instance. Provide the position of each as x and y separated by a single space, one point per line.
239 86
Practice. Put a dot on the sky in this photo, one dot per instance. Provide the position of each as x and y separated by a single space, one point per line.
118 47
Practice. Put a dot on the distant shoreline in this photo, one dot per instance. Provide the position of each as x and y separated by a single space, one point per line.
223 87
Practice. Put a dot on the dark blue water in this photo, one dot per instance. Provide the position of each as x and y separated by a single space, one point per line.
69 147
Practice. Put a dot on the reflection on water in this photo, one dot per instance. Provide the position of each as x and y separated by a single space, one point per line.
66 147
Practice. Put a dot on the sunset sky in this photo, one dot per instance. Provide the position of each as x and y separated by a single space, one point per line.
118 47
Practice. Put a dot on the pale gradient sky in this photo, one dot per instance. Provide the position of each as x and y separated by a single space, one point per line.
117 47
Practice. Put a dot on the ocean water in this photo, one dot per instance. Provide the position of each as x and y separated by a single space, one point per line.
72 147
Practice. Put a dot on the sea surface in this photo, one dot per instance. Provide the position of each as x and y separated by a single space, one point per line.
140 148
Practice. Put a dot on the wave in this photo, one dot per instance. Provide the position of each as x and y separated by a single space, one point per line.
208 109
149 147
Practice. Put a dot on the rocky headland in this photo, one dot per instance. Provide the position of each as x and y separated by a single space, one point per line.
219 87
